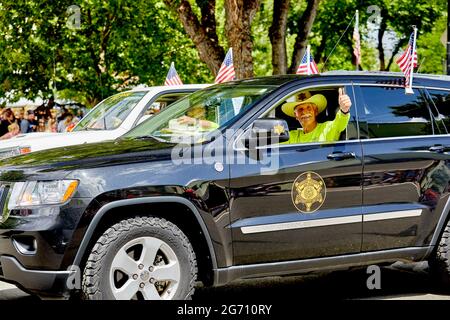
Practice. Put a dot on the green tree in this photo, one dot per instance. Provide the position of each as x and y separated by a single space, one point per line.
118 44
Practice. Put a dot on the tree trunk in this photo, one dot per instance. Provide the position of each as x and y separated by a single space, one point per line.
381 31
400 44
202 34
305 25
239 16
277 35
319 54
105 35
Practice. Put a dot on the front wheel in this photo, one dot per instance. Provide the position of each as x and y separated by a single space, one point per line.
144 258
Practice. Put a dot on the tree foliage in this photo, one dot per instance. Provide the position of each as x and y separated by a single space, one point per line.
118 44
122 43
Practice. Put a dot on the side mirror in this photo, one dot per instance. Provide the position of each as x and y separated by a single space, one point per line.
267 131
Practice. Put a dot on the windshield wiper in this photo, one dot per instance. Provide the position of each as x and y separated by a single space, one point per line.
150 136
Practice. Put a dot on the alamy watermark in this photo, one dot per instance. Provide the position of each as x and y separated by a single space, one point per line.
73 281
261 150
376 14
374 280
74 17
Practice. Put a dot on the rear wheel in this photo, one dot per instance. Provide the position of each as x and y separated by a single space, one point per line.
145 258
440 264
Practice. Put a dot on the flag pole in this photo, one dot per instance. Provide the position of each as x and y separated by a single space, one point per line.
357 26
409 90
308 55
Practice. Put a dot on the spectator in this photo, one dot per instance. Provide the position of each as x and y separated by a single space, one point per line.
13 130
41 126
54 113
72 125
19 114
63 114
29 124
44 110
7 119
63 124
52 125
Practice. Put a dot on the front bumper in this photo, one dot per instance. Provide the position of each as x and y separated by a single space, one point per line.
43 283
35 247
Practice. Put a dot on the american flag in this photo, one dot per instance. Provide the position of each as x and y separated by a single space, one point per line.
307 67
404 62
357 38
172 78
226 71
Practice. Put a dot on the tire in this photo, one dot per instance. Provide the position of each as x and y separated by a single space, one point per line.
440 264
146 255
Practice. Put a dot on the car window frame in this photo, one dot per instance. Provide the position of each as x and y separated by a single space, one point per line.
156 97
286 94
362 117
433 105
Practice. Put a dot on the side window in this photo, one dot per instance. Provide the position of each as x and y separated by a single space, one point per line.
440 108
160 103
389 112
329 127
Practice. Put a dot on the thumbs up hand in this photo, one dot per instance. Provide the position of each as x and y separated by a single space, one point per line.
344 101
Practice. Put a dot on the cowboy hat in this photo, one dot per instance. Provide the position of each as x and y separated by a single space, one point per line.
319 100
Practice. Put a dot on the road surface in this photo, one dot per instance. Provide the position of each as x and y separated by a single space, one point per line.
398 282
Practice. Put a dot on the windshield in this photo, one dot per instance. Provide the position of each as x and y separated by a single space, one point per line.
200 113
111 112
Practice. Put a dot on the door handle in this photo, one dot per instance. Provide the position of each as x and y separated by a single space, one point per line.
437 148
338 156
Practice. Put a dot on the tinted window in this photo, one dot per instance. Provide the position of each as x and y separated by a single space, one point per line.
389 112
440 108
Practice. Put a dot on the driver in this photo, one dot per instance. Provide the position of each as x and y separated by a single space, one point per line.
306 112
195 116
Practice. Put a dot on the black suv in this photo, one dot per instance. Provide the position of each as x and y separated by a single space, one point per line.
207 191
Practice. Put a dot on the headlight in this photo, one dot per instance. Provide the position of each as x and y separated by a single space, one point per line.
37 193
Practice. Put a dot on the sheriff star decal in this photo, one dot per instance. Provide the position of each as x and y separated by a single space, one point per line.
308 192
278 129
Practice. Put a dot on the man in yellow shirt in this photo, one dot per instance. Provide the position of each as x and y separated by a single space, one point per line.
306 113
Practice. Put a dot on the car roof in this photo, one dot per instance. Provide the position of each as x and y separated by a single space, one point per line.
283 79
169 88
385 73
278 80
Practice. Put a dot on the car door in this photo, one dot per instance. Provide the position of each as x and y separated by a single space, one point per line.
266 222
401 153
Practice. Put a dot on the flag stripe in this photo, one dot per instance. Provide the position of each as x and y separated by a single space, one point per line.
408 60
303 67
172 78
357 48
226 71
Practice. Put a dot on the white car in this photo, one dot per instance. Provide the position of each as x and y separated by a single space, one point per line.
108 120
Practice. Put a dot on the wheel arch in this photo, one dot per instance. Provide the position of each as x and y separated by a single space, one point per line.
105 216
440 227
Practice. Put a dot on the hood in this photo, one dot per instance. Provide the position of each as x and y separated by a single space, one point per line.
92 155
23 137
43 141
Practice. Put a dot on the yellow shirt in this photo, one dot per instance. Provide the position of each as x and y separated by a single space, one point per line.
324 132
